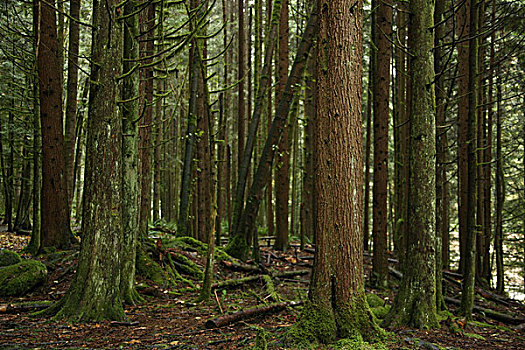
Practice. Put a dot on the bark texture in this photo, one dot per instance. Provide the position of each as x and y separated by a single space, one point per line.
415 303
94 293
56 231
337 305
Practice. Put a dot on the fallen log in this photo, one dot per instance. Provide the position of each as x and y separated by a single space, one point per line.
240 267
225 320
24 307
498 316
240 281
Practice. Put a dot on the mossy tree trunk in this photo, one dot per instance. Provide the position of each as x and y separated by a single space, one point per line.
337 305
415 303
94 293
130 119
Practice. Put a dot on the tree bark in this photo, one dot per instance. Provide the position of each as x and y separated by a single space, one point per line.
94 293
469 272
282 171
71 97
56 231
415 303
337 306
239 245
463 32
381 98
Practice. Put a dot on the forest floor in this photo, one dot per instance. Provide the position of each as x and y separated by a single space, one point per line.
170 319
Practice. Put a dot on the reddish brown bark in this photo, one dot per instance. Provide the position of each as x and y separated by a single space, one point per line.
56 231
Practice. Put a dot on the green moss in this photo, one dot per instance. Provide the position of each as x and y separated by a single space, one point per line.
380 312
474 335
270 288
147 268
187 267
358 318
316 325
19 279
357 343
238 248
8 258
374 300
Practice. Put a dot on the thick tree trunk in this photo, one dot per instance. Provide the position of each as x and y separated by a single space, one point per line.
381 98
94 293
241 109
337 305
415 303
56 231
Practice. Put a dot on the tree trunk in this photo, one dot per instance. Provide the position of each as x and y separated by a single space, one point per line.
241 109
500 189
239 245
381 98
56 231
469 272
71 97
130 150
463 32
147 49
415 303
368 148
308 192
282 172
441 172
337 306
94 293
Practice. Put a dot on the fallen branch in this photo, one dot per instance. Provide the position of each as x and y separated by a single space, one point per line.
15 308
232 283
239 266
245 314
498 316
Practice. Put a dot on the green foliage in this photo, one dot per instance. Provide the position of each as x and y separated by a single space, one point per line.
8 258
19 279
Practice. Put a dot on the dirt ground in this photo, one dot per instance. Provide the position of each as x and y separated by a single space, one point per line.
169 319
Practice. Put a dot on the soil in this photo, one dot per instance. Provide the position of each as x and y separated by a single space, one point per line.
170 319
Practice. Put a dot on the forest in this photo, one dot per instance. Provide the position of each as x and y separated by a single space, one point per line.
262 174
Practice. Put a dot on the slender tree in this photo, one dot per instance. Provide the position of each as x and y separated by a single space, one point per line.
381 97
282 171
415 303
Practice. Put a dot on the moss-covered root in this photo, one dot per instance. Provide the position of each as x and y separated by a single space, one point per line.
147 268
410 310
315 326
132 297
238 248
318 325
